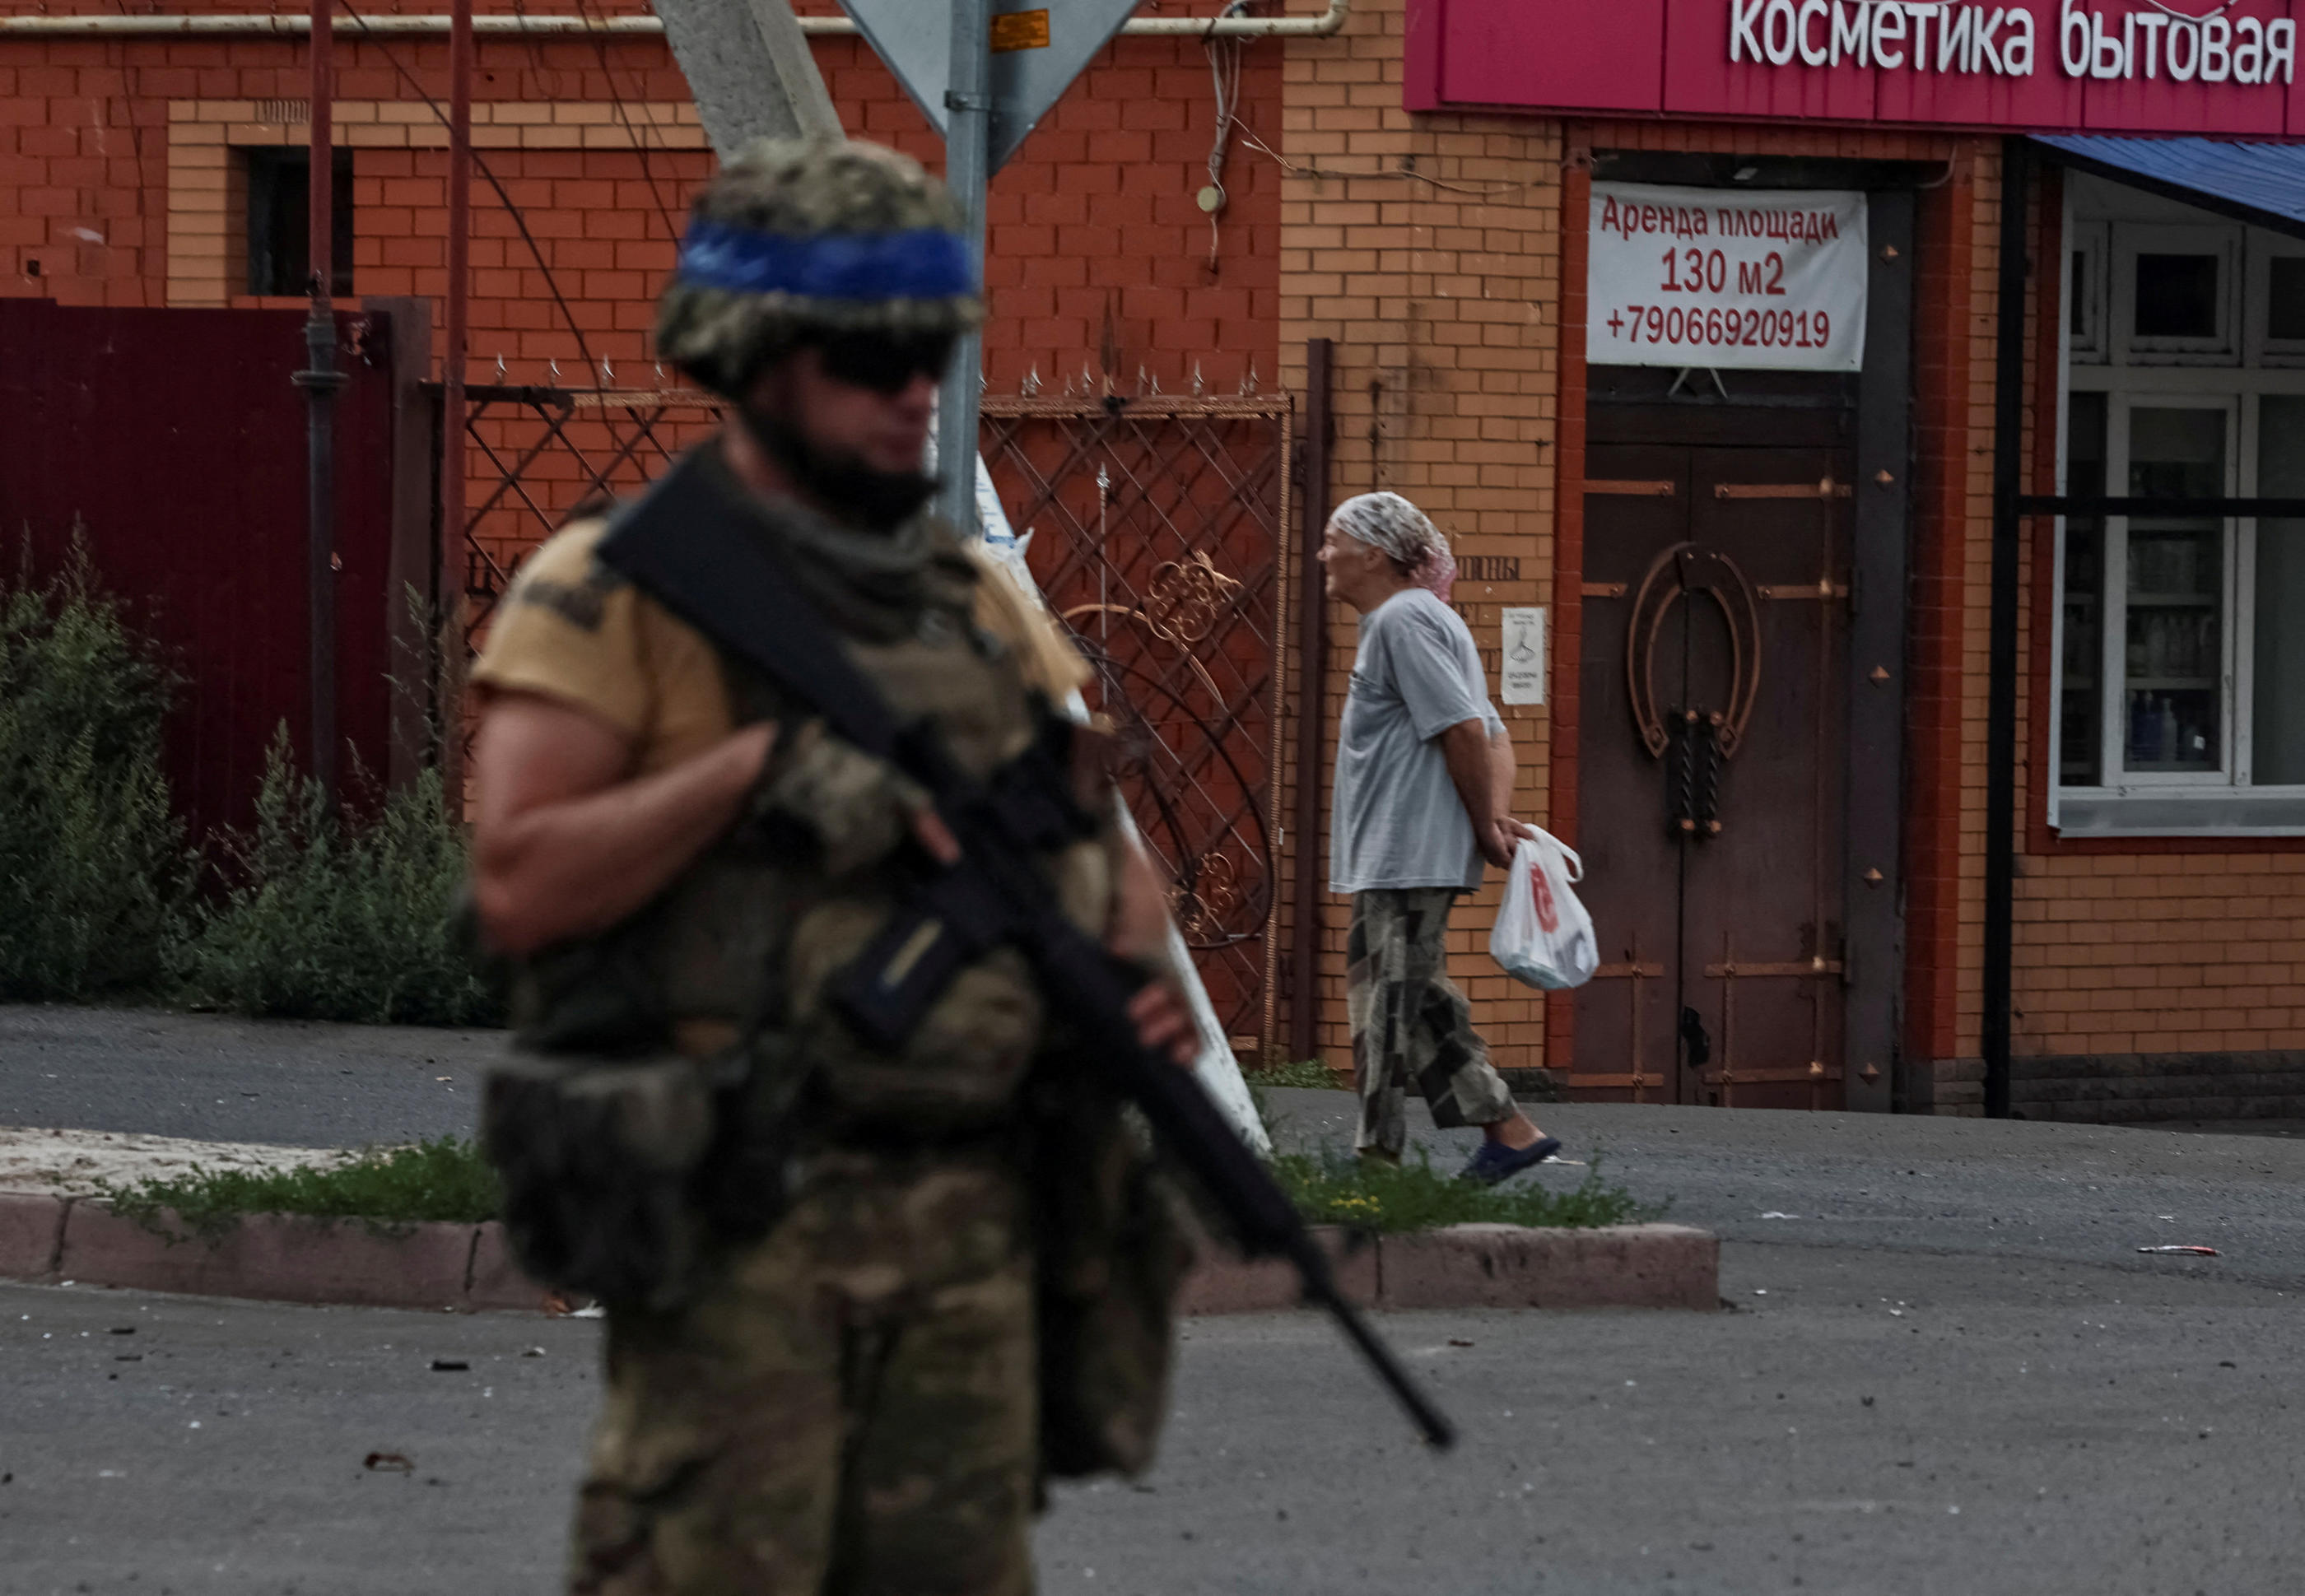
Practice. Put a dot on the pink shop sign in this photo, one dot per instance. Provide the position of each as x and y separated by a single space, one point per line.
2221 67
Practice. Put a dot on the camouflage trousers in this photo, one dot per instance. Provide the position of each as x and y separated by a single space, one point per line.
850 1409
1412 1028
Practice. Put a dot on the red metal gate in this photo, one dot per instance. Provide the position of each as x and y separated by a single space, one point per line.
1158 530
174 442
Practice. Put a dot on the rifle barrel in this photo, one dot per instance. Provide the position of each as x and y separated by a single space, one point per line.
1430 1422
1090 985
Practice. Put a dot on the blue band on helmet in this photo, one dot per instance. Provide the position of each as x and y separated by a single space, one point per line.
924 263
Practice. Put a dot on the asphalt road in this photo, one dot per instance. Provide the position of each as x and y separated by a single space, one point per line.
1906 1423
1948 1370
218 1079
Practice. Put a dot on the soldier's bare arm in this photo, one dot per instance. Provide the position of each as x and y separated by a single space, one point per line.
1140 930
566 843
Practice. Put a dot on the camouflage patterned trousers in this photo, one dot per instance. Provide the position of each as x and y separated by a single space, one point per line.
850 1409
1412 1028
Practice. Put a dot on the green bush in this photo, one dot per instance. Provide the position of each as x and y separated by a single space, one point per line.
331 917
446 1179
91 860
1339 1188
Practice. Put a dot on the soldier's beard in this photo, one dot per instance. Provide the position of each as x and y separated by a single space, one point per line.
838 480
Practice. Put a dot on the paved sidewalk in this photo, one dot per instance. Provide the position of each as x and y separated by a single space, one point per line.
82 1163
2002 1190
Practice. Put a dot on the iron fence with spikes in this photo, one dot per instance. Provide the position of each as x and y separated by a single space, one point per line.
1158 531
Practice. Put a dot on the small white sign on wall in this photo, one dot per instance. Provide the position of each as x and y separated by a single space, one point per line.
1522 676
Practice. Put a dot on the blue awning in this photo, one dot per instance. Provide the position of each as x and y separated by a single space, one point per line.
2263 185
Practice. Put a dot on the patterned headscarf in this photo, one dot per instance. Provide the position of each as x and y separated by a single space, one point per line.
1390 524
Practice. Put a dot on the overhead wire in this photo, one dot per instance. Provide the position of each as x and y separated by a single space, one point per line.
504 196
624 116
1250 140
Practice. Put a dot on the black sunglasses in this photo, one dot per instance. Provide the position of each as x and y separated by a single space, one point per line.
885 364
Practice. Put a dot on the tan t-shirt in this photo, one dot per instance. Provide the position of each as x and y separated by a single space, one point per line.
572 629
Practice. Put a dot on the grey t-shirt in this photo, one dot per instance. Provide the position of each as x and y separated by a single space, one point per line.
1396 821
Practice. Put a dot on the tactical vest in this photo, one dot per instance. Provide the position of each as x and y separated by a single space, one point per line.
742 948
667 1073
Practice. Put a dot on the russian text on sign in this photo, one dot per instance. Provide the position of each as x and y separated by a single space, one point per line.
1733 280
1949 38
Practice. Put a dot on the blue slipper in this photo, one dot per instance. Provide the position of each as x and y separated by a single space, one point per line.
1496 1163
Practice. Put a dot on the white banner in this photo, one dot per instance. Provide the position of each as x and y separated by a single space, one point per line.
1728 278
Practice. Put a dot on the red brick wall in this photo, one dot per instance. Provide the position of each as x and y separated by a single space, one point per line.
1095 217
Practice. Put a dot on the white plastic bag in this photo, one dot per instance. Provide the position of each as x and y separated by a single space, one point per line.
1543 935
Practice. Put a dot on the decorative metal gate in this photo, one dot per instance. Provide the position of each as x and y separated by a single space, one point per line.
1159 531
540 455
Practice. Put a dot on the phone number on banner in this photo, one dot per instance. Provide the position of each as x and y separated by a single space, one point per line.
1696 328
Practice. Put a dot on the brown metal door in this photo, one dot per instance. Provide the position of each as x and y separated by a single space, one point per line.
1711 774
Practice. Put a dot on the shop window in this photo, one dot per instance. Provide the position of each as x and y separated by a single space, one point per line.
2179 688
2277 726
2084 286
2176 287
2080 717
2180 638
279 221
2173 596
2145 601
2285 315
2282 320
2177 297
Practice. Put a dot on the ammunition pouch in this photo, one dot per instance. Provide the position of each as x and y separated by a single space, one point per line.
624 1177
1112 1254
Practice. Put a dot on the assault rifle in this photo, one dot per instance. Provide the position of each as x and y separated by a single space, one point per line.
689 543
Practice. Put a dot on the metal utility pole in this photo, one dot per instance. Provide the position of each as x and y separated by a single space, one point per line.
320 379
2000 690
967 168
1312 706
449 665
985 94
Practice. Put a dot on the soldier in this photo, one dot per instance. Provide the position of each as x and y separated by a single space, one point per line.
839 1378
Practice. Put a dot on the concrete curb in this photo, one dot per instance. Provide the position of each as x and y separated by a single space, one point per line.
286 1259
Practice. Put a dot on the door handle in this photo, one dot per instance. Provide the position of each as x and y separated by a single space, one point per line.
1697 1045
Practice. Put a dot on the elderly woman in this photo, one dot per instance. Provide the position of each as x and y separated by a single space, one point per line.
1424 793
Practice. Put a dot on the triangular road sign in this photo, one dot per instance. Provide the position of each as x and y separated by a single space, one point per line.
1039 46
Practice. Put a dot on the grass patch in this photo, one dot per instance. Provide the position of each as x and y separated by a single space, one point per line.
1301 1071
450 1180
446 1179
1334 1187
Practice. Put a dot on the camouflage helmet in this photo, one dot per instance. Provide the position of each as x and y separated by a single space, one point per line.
798 239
